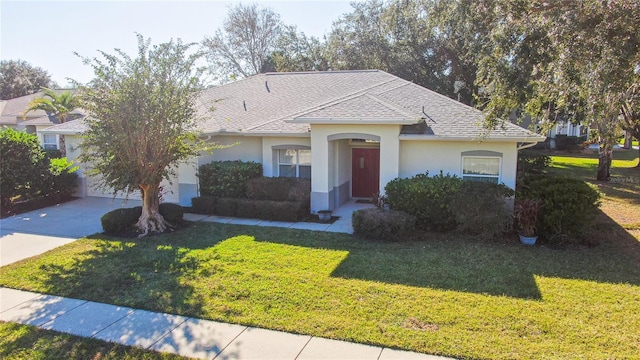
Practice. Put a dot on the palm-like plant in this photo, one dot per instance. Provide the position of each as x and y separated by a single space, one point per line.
55 105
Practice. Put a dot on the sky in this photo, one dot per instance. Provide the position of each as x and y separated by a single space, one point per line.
47 33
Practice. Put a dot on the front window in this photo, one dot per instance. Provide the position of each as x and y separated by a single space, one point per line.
294 163
485 169
50 142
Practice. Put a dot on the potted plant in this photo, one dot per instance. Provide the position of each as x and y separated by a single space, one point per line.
324 215
526 215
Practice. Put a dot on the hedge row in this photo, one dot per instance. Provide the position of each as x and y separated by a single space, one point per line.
28 172
569 207
263 209
119 220
446 202
376 224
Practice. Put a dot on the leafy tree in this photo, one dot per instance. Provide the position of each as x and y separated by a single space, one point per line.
558 61
19 78
297 52
242 47
57 106
142 119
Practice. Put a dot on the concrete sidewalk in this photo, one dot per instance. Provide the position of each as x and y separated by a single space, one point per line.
181 335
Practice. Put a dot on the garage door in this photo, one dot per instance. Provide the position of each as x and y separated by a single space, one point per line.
169 191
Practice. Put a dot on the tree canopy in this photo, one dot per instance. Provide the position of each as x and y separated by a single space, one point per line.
19 78
558 61
142 122
241 48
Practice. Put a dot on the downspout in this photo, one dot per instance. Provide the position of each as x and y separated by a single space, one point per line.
527 145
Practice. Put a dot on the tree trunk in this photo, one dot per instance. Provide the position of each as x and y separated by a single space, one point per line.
605 156
628 140
151 221
63 145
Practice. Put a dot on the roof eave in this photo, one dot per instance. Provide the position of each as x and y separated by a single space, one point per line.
354 121
421 137
258 133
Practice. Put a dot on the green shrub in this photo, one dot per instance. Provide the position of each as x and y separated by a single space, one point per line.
172 213
281 210
377 224
23 166
227 178
279 189
569 143
480 208
61 180
120 220
531 163
226 207
568 207
245 208
429 199
204 205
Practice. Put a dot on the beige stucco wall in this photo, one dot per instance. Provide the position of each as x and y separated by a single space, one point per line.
245 148
269 159
419 156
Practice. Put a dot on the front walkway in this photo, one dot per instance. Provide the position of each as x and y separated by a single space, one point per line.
176 334
341 225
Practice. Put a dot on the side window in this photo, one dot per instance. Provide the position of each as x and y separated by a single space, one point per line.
50 142
476 168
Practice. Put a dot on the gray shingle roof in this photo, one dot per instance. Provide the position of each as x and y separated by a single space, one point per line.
287 102
12 110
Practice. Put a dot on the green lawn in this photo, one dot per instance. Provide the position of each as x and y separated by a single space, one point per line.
26 342
446 295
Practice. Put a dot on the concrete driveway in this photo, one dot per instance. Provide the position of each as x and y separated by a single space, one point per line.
38 231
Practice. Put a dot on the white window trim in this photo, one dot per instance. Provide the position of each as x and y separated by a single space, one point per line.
499 177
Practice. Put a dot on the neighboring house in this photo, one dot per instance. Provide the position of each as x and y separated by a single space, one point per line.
12 114
351 132
559 128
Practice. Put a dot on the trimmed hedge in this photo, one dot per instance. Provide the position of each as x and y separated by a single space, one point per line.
569 207
27 172
281 210
376 224
446 203
227 178
263 209
205 205
480 208
172 213
279 189
119 220
429 199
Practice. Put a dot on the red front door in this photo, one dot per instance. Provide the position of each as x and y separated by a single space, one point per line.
365 172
